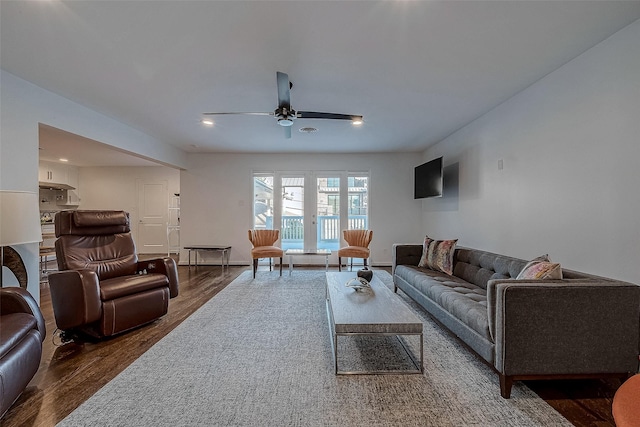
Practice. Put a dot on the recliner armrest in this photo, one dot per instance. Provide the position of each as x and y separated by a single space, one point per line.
166 266
18 300
75 296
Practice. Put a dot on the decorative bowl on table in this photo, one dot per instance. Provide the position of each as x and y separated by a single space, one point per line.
358 284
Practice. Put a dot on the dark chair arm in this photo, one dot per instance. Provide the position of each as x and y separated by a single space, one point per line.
18 300
166 266
75 296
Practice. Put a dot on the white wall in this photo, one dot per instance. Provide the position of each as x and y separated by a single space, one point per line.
570 144
217 197
115 188
22 107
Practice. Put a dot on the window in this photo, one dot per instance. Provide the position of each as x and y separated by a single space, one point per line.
311 219
358 202
263 202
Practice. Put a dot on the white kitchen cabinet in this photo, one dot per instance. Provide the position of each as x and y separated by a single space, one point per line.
52 172
61 177
71 197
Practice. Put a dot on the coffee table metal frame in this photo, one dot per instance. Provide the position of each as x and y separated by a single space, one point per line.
398 321
313 252
223 249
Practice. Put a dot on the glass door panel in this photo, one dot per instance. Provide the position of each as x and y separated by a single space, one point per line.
292 230
328 213
263 202
358 202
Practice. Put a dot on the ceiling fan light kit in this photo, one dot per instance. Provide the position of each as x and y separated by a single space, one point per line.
286 115
285 121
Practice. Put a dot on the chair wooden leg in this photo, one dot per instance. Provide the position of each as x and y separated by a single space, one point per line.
365 262
269 264
339 264
351 269
255 267
281 266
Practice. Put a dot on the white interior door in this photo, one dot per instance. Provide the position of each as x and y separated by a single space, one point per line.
153 208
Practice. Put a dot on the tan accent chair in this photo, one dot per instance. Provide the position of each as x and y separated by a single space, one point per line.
263 247
358 241
626 403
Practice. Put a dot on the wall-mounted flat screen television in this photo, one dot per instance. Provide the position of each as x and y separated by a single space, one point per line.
428 179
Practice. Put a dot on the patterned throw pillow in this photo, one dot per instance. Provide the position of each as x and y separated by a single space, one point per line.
541 258
437 255
540 270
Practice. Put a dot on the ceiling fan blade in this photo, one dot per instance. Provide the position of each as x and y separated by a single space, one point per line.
332 116
287 132
246 114
284 94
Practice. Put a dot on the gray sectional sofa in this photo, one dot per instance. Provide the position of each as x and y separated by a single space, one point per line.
579 327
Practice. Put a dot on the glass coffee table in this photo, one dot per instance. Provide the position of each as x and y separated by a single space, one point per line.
308 252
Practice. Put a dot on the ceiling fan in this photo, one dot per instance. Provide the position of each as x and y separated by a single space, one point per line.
286 115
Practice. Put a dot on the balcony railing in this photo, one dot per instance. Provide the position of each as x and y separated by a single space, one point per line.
328 230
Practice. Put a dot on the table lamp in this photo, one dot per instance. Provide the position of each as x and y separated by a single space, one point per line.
19 224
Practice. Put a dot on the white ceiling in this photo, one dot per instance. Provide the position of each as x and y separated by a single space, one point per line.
416 70
56 144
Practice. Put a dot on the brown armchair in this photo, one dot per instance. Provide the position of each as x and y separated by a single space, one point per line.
21 336
263 247
101 288
358 246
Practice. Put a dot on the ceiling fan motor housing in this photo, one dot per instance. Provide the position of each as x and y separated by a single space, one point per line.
285 116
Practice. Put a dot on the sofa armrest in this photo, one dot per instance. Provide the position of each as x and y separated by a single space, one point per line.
18 300
405 254
566 326
75 296
166 266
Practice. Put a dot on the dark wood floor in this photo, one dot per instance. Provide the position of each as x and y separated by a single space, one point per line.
72 373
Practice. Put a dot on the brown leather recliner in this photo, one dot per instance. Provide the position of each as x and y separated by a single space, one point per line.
101 288
22 331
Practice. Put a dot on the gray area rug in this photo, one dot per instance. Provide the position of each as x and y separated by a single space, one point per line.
259 354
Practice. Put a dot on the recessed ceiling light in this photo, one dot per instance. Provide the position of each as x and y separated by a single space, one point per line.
207 122
356 122
64 160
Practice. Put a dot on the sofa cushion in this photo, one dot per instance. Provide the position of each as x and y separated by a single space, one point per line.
463 300
437 255
478 267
